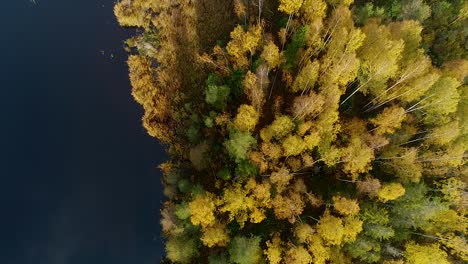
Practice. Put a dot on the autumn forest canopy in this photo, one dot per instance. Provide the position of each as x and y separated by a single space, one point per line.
306 131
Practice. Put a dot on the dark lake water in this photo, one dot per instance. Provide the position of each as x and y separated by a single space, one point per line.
79 183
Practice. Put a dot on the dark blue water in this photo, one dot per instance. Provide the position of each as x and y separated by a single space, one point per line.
78 173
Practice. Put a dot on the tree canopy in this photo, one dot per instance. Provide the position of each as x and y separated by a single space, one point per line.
306 131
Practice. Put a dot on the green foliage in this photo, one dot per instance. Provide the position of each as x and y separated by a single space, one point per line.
363 13
193 133
298 41
446 31
243 250
224 174
234 81
365 250
444 100
184 185
334 134
239 144
378 232
182 210
219 259
245 169
368 245
216 95
372 213
415 209
415 10
181 249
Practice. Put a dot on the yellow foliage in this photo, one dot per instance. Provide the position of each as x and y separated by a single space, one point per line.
288 206
304 127
357 157
281 179
307 160
379 57
331 229
134 13
444 100
394 262
294 163
216 235
340 60
314 39
141 78
252 38
271 55
390 191
306 77
246 118
447 220
403 162
293 145
274 249
237 203
259 160
352 228
452 189
239 8
257 215
297 255
457 244
271 150
312 140
299 186
443 135
389 120
369 186
235 48
320 252
341 2
307 106
282 34
303 232
261 193
417 86
202 210
314 200
154 101
314 9
243 42
280 127
253 90
345 206
457 68
330 155
326 62
250 185
290 6
426 254
222 119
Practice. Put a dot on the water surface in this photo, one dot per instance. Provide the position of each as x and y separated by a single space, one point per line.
78 173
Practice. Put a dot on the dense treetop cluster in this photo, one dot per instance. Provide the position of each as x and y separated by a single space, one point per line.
307 131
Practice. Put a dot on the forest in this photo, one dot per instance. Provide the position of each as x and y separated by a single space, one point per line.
306 131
